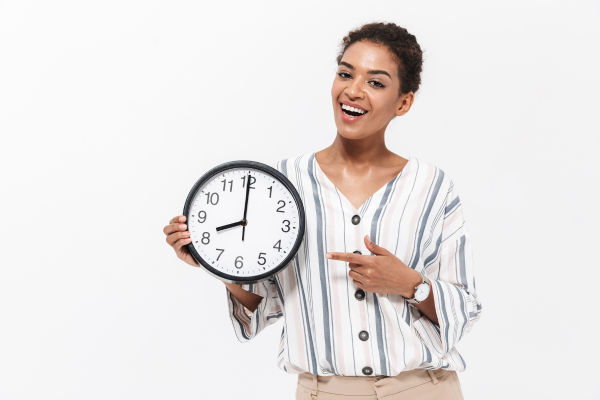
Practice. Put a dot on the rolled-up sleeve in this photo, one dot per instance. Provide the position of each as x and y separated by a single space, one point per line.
247 324
452 278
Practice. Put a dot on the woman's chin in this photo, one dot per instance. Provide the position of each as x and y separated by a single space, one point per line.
353 134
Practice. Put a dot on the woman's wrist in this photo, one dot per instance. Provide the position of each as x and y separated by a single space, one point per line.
411 280
248 299
232 286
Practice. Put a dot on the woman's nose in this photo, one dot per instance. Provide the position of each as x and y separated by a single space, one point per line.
355 89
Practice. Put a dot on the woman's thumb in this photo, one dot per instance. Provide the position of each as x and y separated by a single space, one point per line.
375 248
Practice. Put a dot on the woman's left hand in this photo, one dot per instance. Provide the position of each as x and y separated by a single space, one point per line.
382 273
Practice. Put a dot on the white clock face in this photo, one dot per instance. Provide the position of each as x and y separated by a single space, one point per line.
218 232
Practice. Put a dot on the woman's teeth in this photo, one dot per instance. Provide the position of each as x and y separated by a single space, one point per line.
352 111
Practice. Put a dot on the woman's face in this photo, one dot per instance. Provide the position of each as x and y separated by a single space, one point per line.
367 83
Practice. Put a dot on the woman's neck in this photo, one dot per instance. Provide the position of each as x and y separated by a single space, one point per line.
359 152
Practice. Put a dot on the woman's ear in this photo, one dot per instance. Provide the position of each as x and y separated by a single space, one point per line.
405 102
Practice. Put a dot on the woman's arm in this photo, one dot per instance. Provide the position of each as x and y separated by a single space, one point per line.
248 299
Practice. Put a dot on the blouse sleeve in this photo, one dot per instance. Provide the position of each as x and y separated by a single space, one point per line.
248 324
451 273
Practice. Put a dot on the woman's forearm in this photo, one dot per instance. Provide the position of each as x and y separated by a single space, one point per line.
248 299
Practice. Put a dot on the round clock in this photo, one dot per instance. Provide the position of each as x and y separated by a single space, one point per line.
246 221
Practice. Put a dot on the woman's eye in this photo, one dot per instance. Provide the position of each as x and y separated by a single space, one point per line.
376 84
344 75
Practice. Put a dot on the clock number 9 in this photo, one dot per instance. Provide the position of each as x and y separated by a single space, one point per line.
202 216
239 262
286 226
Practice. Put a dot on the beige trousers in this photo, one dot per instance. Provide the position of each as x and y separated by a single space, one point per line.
418 384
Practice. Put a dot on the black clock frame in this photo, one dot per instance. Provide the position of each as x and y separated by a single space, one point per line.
301 217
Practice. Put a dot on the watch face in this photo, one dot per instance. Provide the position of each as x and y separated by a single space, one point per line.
246 221
422 292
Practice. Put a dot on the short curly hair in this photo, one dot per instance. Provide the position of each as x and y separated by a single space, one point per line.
402 44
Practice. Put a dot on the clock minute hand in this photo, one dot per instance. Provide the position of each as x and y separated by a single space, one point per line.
246 206
239 223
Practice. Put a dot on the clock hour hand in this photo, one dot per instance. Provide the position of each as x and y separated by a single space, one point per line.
239 223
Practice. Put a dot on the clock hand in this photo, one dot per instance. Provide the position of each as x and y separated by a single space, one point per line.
220 228
246 206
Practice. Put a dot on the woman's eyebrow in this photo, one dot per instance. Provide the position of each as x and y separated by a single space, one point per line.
372 72
377 71
346 64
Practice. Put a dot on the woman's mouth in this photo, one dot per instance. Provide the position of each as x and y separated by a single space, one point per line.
351 114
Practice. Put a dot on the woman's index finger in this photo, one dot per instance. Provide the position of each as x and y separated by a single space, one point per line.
179 218
347 257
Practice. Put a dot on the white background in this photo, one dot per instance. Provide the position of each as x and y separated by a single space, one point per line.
110 111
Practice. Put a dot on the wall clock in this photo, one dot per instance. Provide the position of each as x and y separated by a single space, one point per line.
246 221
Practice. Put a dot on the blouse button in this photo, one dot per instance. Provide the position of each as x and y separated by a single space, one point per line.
356 219
359 294
367 370
357 252
364 336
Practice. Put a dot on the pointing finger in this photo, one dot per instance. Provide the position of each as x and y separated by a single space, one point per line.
349 258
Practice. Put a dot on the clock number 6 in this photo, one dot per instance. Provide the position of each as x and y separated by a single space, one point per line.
239 262
260 257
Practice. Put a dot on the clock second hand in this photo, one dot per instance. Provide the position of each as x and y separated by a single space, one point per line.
246 207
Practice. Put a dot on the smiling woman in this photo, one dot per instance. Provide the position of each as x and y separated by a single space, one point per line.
382 287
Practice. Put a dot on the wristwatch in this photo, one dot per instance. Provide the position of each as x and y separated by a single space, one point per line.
421 291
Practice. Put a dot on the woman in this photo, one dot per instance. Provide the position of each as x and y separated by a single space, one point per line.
382 287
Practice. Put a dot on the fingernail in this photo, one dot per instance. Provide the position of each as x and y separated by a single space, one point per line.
188 239
328 255
186 233
182 226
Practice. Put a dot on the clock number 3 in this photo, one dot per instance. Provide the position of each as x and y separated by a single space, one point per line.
285 221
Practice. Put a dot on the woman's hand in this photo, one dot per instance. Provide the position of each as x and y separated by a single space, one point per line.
383 273
177 237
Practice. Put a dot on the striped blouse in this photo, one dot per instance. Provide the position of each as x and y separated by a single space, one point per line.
419 217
